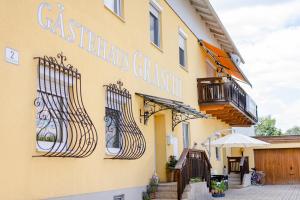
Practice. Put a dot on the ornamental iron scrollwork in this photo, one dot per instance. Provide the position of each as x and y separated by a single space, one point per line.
180 111
64 128
124 139
151 109
178 117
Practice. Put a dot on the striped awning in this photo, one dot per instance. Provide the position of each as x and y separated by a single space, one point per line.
223 60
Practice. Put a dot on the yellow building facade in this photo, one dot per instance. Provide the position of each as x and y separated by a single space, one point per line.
106 45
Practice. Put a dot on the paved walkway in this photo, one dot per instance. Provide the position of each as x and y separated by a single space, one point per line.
268 192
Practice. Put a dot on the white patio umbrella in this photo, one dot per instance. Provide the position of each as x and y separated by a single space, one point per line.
238 140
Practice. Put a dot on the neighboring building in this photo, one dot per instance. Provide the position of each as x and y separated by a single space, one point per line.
96 96
249 131
280 160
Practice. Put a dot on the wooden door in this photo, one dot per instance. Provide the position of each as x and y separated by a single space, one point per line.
280 165
160 147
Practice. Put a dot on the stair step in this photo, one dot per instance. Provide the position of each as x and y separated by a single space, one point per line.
168 191
234 182
232 175
165 187
170 195
166 195
168 183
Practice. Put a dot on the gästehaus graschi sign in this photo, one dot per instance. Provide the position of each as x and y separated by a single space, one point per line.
138 63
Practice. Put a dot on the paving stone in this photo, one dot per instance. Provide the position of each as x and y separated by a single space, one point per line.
267 192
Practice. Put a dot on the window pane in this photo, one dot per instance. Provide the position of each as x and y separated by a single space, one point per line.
186 137
217 153
109 4
181 57
152 19
52 116
182 49
154 26
114 5
181 42
112 133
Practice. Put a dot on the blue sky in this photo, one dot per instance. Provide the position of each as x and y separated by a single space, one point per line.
267 33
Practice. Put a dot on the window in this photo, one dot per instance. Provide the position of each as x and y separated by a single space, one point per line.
218 153
186 135
51 117
124 139
63 127
154 25
115 6
113 117
182 49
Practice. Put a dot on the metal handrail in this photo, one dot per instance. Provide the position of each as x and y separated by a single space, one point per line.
192 163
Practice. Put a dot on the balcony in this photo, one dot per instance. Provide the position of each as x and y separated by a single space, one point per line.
224 99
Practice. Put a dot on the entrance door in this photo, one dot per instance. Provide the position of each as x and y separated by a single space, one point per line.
282 166
160 147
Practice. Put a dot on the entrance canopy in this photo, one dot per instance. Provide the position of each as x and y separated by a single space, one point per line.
223 60
238 140
180 111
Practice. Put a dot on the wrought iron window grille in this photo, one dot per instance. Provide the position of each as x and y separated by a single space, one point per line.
180 111
124 139
64 128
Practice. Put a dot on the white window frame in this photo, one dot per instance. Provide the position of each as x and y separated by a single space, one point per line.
184 135
116 7
59 146
218 153
153 9
182 35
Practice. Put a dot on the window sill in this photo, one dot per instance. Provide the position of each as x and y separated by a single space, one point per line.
184 68
121 18
157 47
110 152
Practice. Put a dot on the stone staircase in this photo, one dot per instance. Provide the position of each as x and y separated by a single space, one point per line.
234 181
168 191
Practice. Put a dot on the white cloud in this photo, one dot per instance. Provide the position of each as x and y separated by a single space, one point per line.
268 37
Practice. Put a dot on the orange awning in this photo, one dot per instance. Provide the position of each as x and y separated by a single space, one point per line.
222 59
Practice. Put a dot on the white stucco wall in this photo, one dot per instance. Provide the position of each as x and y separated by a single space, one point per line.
188 14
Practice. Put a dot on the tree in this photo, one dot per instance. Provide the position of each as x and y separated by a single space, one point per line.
293 131
267 127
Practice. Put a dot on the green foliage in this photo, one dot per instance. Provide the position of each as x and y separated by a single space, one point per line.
195 180
50 138
267 127
293 131
151 188
218 187
171 162
146 196
153 185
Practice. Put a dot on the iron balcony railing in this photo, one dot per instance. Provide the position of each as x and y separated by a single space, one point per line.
218 90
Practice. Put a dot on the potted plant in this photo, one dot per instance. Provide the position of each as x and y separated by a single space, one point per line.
146 196
171 168
151 188
218 188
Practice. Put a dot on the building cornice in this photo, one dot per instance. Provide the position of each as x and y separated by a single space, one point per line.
215 26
